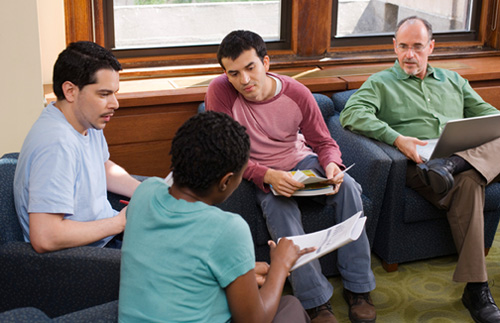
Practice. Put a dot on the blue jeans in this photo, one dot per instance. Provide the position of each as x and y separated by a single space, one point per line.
283 218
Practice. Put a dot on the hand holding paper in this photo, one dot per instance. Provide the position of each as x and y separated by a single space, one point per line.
329 239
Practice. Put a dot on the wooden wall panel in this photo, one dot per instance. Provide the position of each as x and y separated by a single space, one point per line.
145 158
314 27
140 134
490 94
139 138
145 127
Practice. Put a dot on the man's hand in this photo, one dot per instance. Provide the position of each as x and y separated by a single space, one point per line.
335 177
282 182
408 146
261 270
121 218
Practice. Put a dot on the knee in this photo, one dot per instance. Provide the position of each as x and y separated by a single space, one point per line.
350 185
470 181
279 207
290 303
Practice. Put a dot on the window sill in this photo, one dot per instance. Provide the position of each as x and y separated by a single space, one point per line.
181 85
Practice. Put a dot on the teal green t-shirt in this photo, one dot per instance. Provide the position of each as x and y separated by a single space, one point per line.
177 258
392 103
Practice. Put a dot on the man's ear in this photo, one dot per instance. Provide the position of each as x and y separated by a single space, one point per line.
69 89
431 46
224 182
266 62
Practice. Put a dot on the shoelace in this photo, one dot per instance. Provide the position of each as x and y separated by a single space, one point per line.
358 298
486 297
325 307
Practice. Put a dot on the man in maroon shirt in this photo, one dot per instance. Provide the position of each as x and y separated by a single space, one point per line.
287 132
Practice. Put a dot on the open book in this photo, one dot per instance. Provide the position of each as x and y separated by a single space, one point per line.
329 239
312 181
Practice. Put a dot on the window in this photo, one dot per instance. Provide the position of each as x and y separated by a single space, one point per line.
310 32
158 27
363 22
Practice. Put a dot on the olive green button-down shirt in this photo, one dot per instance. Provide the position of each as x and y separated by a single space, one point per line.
392 103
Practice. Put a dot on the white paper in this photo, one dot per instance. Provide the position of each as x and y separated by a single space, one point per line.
329 239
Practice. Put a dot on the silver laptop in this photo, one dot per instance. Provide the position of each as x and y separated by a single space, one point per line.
461 134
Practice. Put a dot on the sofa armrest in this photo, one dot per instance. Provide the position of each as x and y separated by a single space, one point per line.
371 170
372 163
397 176
58 282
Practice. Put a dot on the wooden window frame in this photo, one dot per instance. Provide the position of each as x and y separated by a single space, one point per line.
284 43
387 39
310 40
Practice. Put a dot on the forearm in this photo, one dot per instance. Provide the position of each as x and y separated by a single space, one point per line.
119 180
255 173
272 289
50 232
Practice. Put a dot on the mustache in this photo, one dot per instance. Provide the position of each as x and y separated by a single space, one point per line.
409 60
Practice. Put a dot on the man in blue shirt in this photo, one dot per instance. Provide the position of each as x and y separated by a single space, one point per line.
64 170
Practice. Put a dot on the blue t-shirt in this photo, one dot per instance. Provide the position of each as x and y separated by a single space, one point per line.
178 256
62 171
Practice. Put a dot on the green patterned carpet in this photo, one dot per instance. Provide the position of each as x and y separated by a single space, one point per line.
420 291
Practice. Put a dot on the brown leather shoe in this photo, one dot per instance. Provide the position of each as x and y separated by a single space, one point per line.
361 308
322 314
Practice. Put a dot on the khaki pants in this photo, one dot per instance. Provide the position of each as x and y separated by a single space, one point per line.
465 206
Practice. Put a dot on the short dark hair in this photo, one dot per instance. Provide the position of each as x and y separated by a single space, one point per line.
427 25
207 147
238 41
79 62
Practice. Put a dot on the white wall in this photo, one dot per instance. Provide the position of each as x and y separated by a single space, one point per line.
27 49
52 34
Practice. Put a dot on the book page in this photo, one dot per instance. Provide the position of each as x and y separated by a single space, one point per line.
307 176
313 184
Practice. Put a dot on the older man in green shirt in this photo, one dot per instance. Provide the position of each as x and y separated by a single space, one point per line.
411 102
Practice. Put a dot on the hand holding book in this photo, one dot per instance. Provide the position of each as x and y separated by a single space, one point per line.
314 183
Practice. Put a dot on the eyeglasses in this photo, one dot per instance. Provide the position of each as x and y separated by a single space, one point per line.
416 48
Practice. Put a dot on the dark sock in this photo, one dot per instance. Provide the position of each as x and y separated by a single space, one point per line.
476 286
461 165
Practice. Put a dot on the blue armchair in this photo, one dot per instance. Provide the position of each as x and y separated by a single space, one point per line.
371 172
411 228
58 282
105 313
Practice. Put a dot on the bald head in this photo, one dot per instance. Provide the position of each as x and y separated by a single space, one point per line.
411 21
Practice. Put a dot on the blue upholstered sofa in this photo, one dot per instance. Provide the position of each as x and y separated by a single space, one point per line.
104 313
58 282
410 228
371 171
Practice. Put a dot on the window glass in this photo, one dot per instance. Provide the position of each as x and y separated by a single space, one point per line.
379 17
140 24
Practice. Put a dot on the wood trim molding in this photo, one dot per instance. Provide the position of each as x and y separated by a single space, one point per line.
99 22
78 18
314 27
310 42
492 23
